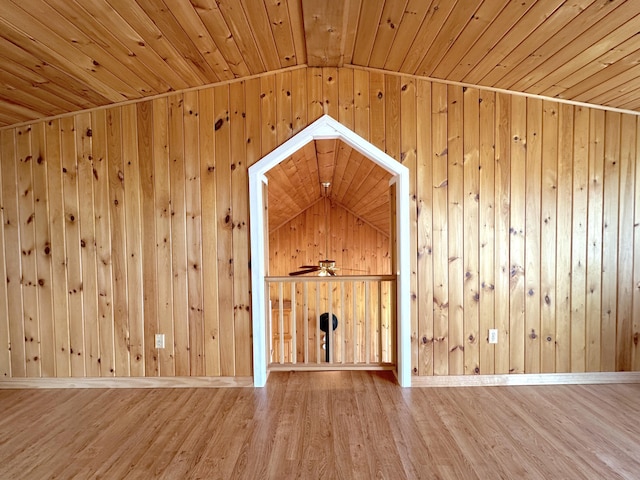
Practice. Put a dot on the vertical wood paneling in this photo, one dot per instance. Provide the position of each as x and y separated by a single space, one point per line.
209 232
193 210
487 234
594 239
563 244
376 132
502 266
362 109
84 135
131 166
424 197
178 235
456 229
298 104
439 160
225 221
12 257
58 250
5 327
579 238
330 91
284 123
103 242
126 222
28 279
471 165
315 100
144 112
635 346
240 226
548 237
162 215
72 236
517 231
610 240
268 108
301 241
392 130
118 242
532 235
624 323
346 101
408 147
43 253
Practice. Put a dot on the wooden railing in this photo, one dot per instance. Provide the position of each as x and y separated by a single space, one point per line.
300 309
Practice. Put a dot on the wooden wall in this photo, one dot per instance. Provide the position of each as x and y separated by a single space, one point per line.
124 222
357 247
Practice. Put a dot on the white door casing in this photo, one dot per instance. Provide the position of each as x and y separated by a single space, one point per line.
328 128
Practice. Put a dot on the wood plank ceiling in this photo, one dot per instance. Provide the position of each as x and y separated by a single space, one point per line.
356 183
58 56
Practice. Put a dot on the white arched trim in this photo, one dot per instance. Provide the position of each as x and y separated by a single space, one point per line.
328 128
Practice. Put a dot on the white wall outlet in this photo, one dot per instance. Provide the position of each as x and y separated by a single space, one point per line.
159 340
493 335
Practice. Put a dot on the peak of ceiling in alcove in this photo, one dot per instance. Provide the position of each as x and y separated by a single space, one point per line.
356 183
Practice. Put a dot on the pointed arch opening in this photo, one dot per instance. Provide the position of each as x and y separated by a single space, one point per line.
323 129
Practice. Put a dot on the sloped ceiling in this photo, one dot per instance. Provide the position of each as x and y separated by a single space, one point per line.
355 183
59 56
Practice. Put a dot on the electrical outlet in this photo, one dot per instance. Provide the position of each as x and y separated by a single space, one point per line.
159 340
493 335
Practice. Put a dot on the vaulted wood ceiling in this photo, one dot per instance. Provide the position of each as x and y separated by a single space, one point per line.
58 56
356 183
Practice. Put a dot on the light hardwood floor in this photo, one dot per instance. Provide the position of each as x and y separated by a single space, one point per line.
313 425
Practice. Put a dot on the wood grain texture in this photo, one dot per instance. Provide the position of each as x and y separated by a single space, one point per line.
60 57
139 226
356 424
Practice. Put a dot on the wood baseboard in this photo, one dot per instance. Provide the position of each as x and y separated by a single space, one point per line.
526 379
301 367
127 382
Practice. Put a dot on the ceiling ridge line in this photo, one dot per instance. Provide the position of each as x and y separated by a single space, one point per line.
153 97
495 89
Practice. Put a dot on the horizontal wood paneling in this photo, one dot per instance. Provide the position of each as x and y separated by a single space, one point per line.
146 224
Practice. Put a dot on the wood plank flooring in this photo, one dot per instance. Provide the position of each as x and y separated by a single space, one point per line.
311 425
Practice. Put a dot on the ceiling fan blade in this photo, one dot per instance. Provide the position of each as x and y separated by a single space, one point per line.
302 272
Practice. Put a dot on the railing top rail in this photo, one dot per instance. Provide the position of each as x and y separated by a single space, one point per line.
339 278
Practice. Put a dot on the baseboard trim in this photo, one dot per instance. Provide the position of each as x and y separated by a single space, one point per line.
526 379
127 382
301 367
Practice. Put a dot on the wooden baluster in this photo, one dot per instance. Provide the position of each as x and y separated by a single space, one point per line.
305 300
280 322
292 319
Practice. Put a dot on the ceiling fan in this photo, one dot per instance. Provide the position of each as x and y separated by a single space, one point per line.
325 267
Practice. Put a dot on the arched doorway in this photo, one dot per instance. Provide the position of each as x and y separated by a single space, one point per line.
328 128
